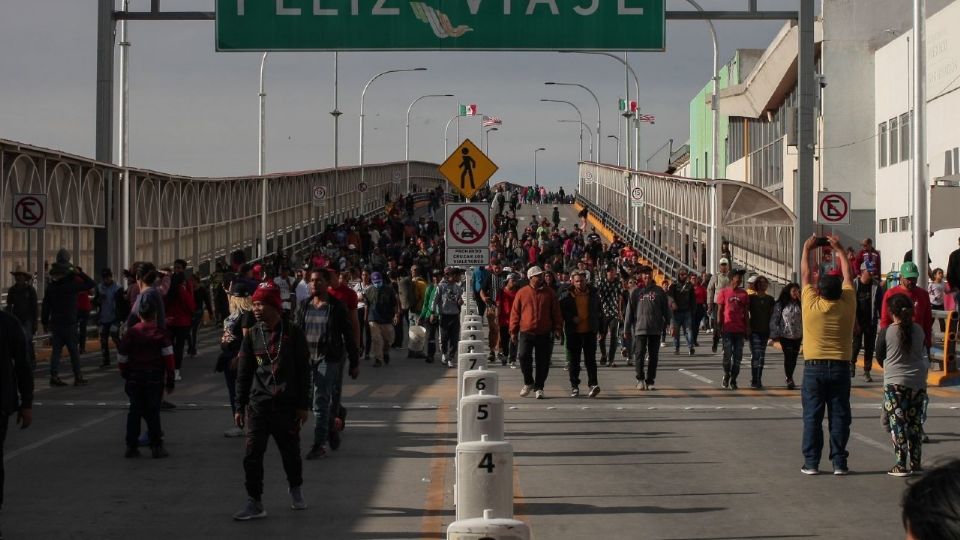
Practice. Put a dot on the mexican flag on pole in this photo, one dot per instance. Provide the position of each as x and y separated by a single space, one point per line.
468 110
625 106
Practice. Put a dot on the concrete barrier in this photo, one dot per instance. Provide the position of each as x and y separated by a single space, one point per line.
480 414
484 479
467 362
474 381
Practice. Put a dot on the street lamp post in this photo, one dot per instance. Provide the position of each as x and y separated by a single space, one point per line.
406 145
583 126
488 139
535 183
363 94
262 161
578 114
598 108
614 137
445 129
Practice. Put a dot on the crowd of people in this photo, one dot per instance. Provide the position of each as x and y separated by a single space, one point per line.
292 326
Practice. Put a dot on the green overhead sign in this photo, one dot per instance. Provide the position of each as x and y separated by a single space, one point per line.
327 25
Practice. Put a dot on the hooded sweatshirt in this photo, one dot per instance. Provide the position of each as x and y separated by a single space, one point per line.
648 311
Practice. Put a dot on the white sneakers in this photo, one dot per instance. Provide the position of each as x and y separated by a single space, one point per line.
525 391
176 375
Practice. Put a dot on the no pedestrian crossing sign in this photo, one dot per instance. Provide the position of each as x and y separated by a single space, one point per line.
288 25
833 208
29 211
468 169
467 234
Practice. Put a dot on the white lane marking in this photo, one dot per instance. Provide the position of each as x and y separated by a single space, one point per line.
700 378
60 435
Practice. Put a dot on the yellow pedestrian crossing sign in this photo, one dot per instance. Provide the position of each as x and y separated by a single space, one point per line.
468 169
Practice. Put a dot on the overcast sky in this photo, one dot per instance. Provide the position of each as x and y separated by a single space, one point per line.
194 110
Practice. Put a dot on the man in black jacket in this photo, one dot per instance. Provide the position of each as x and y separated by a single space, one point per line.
953 274
273 397
58 314
22 304
580 307
16 381
681 292
329 334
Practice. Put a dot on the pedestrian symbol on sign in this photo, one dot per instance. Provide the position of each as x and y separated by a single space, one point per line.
467 165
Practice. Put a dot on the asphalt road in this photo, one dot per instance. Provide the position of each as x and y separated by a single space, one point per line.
688 460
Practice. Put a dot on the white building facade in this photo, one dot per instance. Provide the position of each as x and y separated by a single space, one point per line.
893 146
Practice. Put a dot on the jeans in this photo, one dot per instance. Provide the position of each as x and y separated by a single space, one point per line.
364 332
63 336
584 344
681 322
732 354
791 350
696 318
107 331
449 336
28 331
865 338
83 318
192 340
180 335
507 347
493 330
826 385
325 377
758 353
399 332
145 397
283 427
609 325
230 376
527 345
644 346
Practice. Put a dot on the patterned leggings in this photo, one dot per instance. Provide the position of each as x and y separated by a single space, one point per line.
904 409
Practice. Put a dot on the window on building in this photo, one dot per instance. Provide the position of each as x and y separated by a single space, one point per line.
905 223
904 136
893 224
894 140
882 145
882 226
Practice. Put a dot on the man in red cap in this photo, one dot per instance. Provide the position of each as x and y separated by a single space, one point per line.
273 397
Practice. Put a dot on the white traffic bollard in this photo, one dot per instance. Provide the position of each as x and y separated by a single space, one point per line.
480 414
475 380
488 528
467 362
473 335
466 346
484 478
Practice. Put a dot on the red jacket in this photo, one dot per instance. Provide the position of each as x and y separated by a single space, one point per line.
505 306
146 354
180 308
922 313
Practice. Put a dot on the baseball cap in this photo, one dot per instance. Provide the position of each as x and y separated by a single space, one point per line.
724 261
909 270
752 279
534 271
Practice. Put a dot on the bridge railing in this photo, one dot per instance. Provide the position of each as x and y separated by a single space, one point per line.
174 216
672 228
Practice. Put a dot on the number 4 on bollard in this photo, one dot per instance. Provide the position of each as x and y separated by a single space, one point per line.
487 463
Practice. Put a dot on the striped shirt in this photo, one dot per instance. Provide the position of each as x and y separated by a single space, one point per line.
316 321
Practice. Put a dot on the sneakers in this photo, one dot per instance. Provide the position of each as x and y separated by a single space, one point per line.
317 452
642 385
233 432
840 470
297 501
513 365
692 351
525 391
733 384
55 381
651 387
159 452
790 384
594 390
132 452
252 510
725 382
676 351
867 377
538 394
899 471
78 380
176 375
603 361
613 364
575 391
811 471
714 348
